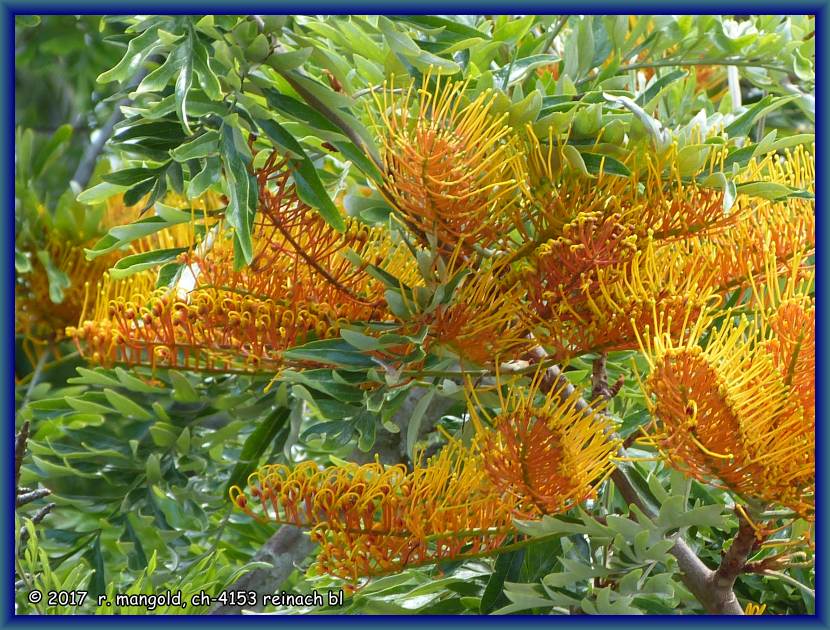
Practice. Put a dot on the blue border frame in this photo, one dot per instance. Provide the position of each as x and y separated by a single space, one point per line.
8 10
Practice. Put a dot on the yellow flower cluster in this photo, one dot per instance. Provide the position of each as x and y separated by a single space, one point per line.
372 519
735 403
299 287
533 458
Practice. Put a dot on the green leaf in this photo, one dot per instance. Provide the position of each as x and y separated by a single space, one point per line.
691 158
653 90
359 340
168 274
399 41
203 145
185 79
121 235
58 280
574 158
100 193
673 515
256 444
413 427
240 212
205 178
520 68
98 580
336 352
131 176
742 125
432 22
138 50
129 265
158 79
360 159
765 190
659 136
183 391
596 163
585 44
208 80
507 568
285 61
50 151
802 67
126 406
299 111
309 187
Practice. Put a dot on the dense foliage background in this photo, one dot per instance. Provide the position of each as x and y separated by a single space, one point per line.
125 121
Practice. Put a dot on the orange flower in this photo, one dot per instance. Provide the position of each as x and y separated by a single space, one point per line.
731 408
548 454
451 167
372 519
299 287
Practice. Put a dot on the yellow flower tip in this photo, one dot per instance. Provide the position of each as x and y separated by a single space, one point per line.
755 609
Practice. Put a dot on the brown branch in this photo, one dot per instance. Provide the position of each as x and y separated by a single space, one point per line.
88 160
734 560
599 380
19 451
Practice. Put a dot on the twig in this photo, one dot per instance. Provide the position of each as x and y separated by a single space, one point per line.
599 380
37 518
554 32
28 497
20 450
41 363
734 560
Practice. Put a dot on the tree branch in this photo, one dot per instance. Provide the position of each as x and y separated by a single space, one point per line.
19 451
282 551
734 560
90 156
